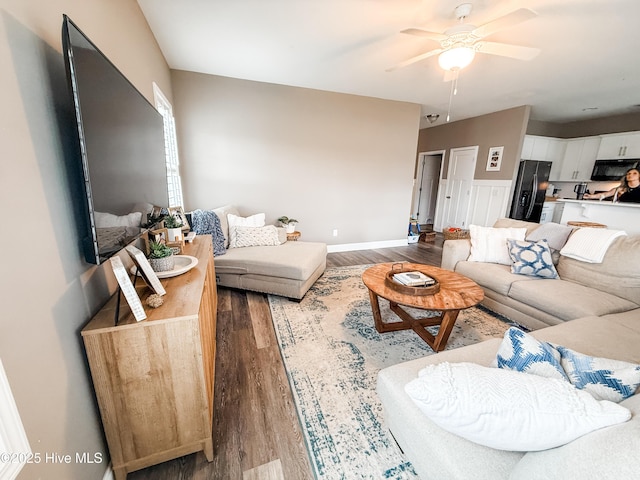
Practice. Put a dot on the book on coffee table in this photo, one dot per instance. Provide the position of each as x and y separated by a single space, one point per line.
414 279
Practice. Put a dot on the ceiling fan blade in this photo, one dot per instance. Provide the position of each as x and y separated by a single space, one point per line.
416 59
505 50
508 20
438 37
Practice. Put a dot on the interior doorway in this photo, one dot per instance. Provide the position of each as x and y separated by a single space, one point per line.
457 198
425 189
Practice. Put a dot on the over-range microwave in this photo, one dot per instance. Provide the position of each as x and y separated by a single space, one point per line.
612 170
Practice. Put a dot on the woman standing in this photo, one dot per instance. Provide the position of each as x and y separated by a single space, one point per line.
627 191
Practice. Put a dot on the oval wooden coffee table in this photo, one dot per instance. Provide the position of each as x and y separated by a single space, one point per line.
456 293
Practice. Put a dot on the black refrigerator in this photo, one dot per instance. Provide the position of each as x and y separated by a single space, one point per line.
531 188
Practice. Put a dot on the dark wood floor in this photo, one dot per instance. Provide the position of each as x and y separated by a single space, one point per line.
256 430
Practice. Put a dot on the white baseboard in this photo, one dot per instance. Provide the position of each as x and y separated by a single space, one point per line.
349 247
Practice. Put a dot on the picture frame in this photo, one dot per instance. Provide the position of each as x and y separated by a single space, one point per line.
494 161
144 270
179 213
159 235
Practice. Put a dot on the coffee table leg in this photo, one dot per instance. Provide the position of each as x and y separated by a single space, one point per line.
375 307
448 321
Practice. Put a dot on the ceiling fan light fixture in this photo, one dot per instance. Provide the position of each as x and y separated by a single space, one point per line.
456 58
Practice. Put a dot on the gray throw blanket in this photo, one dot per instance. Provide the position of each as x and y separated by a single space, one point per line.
206 222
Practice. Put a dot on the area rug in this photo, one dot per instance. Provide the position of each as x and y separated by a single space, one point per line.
332 354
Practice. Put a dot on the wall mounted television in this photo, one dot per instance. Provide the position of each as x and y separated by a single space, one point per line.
121 148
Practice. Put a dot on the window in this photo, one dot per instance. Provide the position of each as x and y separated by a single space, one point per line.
174 183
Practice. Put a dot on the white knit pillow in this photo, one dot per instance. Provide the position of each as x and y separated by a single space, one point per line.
509 410
254 236
256 220
489 244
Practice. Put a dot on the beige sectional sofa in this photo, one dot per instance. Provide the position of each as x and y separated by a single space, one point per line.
288 269
583 288
593 309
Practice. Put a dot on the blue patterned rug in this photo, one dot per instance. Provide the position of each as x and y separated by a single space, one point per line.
332 354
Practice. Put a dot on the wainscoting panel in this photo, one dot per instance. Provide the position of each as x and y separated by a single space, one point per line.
489 201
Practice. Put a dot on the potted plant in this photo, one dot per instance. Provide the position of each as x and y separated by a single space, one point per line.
161 257
288 223
174 228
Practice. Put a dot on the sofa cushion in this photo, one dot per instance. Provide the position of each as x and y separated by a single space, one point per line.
531 258
606 454
490 244
618 273
555 234
491 275
511 223
603 378
567 300
509 410
295 260
222 213
522 352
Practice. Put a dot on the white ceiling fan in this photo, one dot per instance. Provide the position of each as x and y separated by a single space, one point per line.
459 44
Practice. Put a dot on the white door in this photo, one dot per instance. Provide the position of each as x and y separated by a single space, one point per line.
426 187
457 199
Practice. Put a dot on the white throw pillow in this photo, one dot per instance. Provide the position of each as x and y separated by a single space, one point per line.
509 410
489 244
105 220
254 236
256 220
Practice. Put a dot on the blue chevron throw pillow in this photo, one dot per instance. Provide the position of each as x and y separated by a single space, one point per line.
531 258
603 378
522 352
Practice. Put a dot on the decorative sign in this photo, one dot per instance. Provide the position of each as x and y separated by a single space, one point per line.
127 288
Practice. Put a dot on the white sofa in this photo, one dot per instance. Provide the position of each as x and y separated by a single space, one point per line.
592 308
289 269
609 453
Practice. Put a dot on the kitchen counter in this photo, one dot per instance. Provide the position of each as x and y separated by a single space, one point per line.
617 216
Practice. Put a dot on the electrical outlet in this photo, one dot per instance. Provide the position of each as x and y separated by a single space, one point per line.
335 232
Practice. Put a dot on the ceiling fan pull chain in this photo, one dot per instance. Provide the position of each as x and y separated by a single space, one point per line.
454 91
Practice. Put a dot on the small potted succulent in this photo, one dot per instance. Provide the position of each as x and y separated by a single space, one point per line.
288 223
161 257
174 228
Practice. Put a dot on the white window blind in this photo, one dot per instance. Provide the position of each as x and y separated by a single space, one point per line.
174 183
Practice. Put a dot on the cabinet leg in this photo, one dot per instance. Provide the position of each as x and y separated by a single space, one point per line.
120 473
208 449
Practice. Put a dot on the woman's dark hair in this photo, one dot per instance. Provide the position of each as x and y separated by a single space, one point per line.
625 184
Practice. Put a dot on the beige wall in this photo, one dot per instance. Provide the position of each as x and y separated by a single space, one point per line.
332 161
505 128
48 292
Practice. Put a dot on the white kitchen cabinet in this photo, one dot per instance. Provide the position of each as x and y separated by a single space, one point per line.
579 158
548 149
619 145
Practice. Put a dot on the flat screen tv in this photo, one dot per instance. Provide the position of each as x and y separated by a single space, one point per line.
121 148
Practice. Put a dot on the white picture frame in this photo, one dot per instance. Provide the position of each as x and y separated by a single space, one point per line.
494 161
127 288
145 270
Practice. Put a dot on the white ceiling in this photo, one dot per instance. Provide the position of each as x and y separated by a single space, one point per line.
588 66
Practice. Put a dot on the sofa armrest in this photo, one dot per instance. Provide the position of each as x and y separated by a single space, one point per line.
454 251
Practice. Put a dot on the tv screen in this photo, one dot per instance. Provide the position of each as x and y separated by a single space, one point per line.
121 147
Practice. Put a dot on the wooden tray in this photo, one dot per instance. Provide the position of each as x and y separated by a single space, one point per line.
408 290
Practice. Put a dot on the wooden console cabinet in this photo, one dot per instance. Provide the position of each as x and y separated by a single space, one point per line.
154 379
